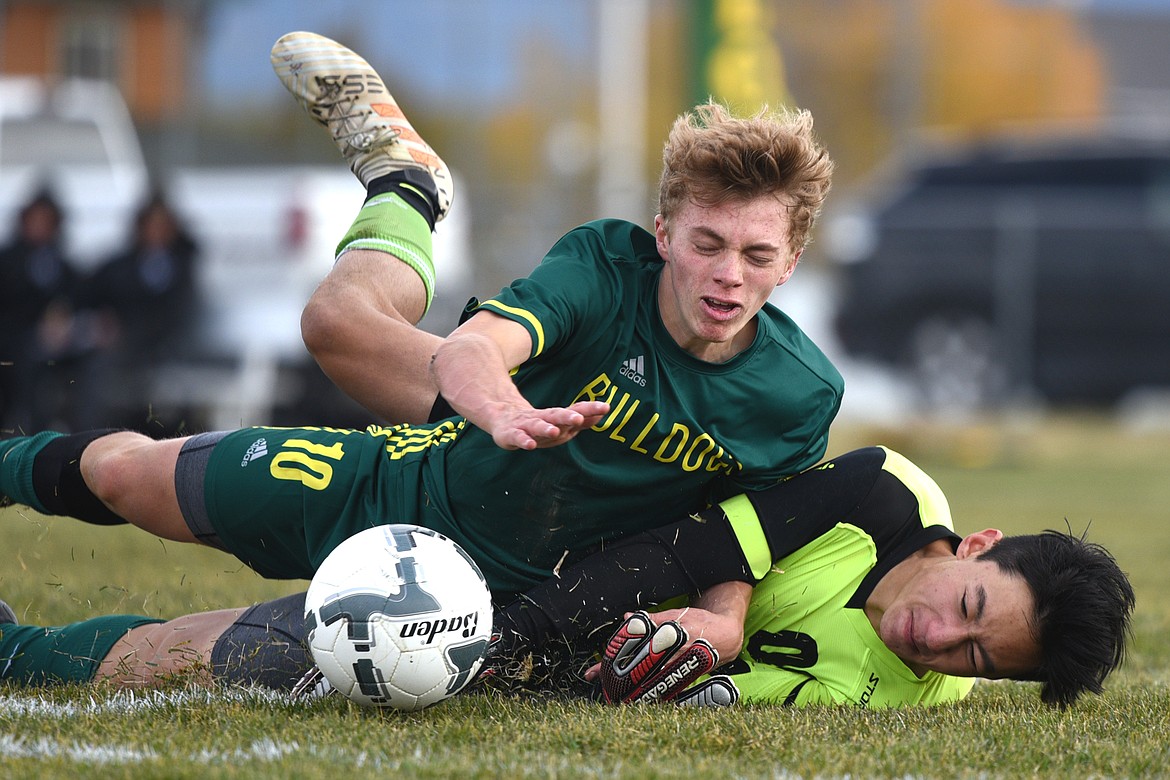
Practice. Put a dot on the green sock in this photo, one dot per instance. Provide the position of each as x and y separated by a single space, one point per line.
33 655
387 223
16 467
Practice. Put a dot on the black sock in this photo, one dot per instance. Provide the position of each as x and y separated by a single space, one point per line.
414 186
58 483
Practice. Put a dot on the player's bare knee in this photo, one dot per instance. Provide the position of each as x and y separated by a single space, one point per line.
119 465
318 325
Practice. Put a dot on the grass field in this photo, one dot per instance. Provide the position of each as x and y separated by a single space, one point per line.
1019 476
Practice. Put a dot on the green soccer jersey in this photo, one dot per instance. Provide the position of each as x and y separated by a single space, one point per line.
681 433
807 638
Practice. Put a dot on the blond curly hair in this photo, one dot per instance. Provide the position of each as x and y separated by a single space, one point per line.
712 157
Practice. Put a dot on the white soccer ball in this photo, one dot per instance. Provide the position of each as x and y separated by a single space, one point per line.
398 616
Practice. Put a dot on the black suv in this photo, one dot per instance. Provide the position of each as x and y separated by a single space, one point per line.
1013 274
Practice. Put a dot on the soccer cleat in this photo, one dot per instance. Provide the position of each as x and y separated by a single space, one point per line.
312 685
6 613
341 91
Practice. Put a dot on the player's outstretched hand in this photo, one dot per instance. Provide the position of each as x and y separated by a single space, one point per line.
535 428
647 663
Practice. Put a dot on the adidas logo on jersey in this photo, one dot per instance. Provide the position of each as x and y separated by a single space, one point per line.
258 449
634 370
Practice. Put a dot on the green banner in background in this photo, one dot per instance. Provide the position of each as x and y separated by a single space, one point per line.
737 54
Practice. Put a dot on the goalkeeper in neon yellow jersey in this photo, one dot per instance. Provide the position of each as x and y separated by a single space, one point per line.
863 594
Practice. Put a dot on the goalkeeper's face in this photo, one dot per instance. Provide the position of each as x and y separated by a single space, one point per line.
962 616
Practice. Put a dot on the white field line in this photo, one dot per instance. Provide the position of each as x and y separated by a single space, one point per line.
264 751
131 701
88 753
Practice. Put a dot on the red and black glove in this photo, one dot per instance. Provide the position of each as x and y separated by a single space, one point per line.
641 663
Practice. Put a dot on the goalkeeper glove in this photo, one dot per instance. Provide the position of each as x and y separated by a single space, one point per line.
639 666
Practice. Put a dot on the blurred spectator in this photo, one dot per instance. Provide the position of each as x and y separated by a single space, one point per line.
36 348
140 306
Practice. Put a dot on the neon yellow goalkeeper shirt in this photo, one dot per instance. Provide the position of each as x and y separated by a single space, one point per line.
807 638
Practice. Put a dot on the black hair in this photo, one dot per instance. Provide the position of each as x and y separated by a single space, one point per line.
42 198
1081 618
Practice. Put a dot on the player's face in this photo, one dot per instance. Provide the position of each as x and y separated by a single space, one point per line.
965 617
722 263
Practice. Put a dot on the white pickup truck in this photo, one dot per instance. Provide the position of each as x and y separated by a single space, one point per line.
266 237
78 140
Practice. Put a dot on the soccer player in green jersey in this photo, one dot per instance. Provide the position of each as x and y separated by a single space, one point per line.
633 377
863 594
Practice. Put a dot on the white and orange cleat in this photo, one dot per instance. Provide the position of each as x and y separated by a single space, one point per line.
342 92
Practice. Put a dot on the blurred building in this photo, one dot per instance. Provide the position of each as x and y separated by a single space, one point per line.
555 113
149 49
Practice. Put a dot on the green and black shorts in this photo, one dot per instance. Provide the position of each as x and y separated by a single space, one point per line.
280 499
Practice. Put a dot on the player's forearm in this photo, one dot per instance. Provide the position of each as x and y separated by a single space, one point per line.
727 604
726 598
639 572
470 372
